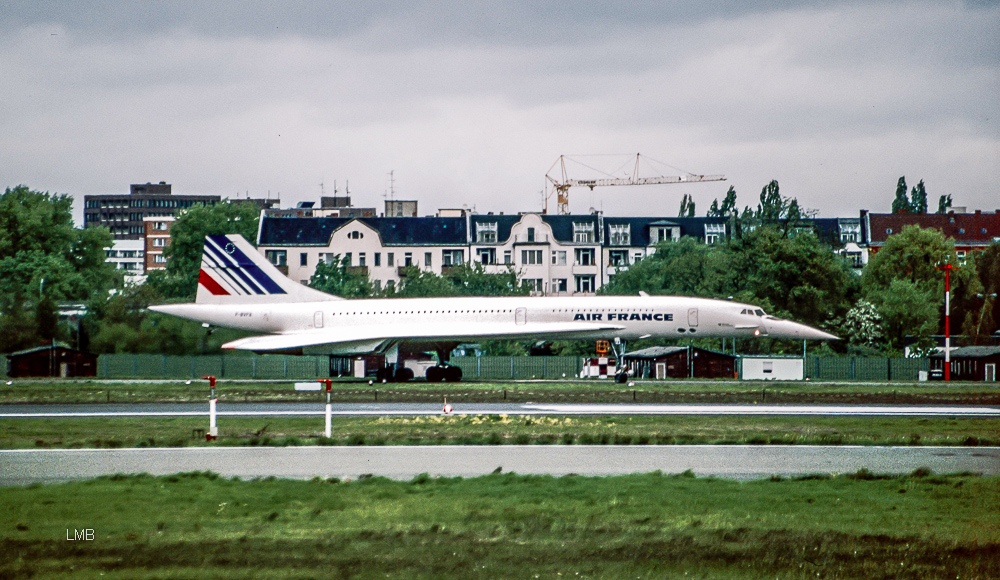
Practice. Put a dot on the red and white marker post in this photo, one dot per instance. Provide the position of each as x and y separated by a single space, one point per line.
213 430
329 407
447 408
947 318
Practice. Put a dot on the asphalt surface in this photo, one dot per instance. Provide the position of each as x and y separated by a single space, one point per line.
23 467
413 409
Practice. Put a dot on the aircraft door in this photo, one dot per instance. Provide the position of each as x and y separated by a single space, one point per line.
692 317
318 319
521 316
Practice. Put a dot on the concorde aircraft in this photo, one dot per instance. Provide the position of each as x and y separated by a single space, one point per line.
238 288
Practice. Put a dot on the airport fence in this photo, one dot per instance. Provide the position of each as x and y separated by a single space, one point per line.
154 366
835 368
518 367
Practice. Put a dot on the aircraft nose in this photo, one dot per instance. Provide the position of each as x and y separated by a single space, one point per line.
795 330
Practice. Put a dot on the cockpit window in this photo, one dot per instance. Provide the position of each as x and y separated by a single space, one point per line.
759 312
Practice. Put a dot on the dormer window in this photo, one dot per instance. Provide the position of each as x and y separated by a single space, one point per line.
620 235
583 233
486 233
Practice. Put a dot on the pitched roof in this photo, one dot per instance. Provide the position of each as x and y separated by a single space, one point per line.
979 229
295 231
971 352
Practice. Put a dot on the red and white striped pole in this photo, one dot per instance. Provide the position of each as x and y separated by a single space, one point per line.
329 408
213 430
947 318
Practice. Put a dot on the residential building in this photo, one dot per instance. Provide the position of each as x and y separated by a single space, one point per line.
123 214
555 255
156 238
128 256
971 231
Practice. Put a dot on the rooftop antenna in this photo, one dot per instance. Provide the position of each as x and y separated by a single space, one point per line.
322 192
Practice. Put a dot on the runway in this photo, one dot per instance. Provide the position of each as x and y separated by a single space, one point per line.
24 467
416 409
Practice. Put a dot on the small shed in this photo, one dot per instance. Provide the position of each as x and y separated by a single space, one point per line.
51 361
772 368
678 362
968 363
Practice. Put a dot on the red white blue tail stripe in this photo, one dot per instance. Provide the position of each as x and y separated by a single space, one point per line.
227 271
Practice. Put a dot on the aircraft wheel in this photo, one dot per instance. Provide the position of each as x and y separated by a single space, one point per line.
621 378
403 375
435 375
452 374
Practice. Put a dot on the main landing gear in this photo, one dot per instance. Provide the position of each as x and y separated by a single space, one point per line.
622 373
447 373
444 371
392 374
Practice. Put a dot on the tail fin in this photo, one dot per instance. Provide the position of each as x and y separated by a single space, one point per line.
234 272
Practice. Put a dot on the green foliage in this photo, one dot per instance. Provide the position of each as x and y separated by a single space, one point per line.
45 260
337 277
800 277
982 319
771 207
463 280
473 280
901 204
796 277
179 280
687 206
417 283
944 203
863 326
902 281
123 325
685 268
918 199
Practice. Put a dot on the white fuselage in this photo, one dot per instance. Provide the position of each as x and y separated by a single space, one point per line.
634 316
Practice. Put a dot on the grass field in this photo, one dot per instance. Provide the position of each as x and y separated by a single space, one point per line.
499 429
593 391
505 526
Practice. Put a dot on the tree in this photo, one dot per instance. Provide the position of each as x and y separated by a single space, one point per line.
918 199
45 260
473 280
687 206
337 277
728 207
772 207
685 268
187 237
902 203
802 278
902 281
944 202
863 326
983 317
713 210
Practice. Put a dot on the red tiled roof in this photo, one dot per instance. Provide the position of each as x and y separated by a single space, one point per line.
967 229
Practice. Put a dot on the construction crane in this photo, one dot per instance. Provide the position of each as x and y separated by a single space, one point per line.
560 185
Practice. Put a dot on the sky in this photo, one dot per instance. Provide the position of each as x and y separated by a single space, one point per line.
472 103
